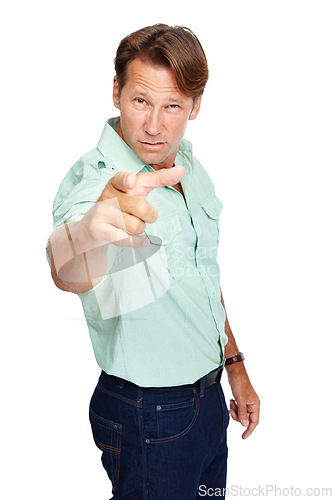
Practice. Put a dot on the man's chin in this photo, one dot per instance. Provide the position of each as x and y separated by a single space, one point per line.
151 159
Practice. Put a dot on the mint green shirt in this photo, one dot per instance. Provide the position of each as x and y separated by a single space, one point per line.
156 318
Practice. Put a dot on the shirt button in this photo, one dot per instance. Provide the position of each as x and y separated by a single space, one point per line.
163 235
147 441
158 407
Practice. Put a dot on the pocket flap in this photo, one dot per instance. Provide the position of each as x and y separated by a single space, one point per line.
163 230
212 206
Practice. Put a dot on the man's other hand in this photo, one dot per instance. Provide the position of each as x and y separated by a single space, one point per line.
245 407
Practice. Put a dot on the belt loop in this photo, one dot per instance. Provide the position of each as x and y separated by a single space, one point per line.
121 383
202 386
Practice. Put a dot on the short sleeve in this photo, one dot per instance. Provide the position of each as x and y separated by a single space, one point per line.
205 188
79 190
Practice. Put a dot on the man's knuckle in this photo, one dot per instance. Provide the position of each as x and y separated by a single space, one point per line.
142 207
135 225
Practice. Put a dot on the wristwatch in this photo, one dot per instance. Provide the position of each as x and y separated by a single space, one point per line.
234 359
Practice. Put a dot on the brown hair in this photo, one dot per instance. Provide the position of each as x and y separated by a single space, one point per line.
175 47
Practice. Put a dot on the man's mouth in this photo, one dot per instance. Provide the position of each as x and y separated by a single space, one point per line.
152 145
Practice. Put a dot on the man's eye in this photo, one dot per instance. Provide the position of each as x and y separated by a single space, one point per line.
139 100
173 106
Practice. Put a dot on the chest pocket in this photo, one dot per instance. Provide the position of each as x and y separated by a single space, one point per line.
163 233
209 224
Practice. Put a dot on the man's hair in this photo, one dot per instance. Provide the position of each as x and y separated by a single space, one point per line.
174 47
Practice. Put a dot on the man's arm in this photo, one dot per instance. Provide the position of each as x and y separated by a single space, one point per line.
78 250
246 405
69 252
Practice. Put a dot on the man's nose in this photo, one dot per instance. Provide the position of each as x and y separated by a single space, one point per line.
153 123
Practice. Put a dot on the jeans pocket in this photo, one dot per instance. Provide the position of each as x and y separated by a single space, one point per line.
174 420
107 437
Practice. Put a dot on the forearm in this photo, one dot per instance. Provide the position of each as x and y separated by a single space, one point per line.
245 406
75 265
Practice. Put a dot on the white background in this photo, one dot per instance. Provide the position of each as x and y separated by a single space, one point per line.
264 134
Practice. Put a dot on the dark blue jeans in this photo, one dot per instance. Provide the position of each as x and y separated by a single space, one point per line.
161 443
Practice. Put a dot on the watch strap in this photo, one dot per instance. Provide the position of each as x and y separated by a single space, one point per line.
234 359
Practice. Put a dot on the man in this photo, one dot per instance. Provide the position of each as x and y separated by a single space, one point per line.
136 234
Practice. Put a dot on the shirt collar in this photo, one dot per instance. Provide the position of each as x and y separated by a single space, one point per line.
113 147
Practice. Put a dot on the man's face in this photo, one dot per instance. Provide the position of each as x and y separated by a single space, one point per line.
153 113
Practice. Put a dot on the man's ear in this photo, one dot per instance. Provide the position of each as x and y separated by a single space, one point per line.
195 109
116 93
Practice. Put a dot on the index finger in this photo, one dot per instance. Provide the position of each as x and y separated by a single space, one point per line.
162 177
254 420
142 184
147 181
